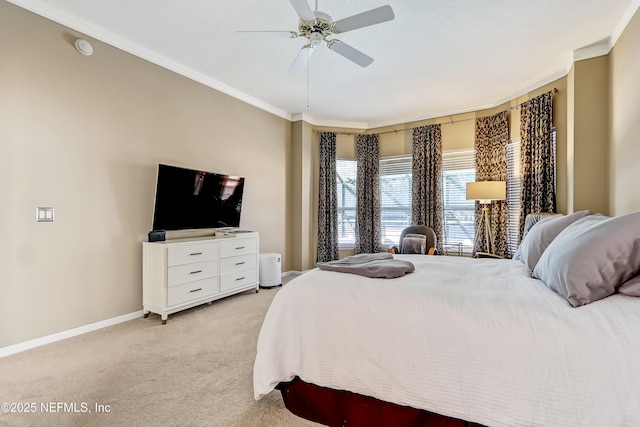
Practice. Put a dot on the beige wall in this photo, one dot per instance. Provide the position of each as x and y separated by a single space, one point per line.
589 135
570 172
301 180
624 117
85 135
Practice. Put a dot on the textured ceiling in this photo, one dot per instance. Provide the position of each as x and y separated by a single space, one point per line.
436 58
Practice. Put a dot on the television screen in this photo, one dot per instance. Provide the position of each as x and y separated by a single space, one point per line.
191 199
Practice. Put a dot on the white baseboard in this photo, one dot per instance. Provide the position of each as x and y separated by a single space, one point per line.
17 348
294 272
291 272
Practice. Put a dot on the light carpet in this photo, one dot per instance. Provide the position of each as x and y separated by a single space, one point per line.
194 371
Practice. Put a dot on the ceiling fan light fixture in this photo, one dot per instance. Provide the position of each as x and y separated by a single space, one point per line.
315 38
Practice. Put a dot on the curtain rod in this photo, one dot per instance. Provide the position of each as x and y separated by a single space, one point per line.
450 122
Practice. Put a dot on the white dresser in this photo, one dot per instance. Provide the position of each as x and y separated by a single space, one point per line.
182 273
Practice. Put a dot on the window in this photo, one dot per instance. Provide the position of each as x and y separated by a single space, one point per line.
346 186
514 191
395 198
458 168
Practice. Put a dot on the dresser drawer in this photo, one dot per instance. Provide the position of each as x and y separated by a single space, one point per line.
237 263
189 272
192 291
185 254
237 279
233 247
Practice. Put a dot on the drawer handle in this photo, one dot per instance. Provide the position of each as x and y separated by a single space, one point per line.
240 263
240 278
195 253
196 272
195 290
240 247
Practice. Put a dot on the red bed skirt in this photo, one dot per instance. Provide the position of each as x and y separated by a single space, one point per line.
343 408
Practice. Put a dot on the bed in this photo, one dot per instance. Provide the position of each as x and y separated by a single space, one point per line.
472 340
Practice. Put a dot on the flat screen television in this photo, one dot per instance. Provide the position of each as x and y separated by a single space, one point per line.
192 199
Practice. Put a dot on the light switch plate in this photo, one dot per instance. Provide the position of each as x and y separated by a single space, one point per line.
45 214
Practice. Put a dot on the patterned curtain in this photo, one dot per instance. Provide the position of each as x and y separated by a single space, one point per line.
426 203
328 200
492 136
537 156
368 234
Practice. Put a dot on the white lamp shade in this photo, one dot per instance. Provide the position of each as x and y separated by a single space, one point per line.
486 191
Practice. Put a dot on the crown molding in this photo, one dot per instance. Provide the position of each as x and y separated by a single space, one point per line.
624 21
536 84
328 123
508 96
600 48
47 11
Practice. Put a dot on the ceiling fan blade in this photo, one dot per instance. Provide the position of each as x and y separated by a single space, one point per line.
302 59
351 53
364 19
291 34
303 10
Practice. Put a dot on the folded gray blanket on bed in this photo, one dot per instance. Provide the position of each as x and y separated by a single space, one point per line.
379 265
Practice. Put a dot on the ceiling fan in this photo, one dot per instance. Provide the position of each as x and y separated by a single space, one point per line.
318 26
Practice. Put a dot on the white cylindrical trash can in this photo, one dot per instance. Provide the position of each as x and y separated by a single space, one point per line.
270 270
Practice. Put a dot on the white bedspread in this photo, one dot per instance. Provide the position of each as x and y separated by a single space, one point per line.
475 339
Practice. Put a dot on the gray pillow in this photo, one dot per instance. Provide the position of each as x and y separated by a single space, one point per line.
529 221
414 244
631 287
542 234
591 258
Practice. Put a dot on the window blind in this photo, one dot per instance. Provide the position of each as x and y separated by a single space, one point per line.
458 168
514 192
395 197
346 188
459 159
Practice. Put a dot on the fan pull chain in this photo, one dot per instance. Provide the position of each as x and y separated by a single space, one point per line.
308 68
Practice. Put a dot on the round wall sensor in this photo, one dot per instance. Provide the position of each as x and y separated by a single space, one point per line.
84 47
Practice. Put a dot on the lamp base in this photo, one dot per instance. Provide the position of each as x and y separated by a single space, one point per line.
488 234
